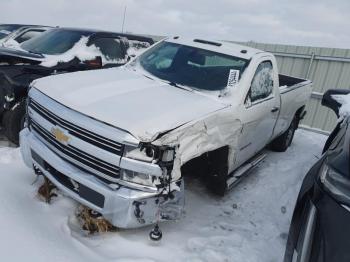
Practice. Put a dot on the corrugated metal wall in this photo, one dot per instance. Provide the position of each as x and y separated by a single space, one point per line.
326 67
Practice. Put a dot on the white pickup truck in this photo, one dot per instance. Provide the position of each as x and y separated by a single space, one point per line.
121 140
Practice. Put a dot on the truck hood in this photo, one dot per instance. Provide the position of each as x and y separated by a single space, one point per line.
128 100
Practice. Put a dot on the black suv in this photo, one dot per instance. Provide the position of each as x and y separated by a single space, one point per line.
320 225
56 51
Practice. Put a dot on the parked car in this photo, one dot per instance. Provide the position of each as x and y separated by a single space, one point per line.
321 219
6 29
120 141
24 33
57 51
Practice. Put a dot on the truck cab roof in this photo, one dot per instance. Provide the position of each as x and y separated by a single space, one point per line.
223 47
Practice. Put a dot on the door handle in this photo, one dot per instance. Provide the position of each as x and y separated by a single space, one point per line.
275 109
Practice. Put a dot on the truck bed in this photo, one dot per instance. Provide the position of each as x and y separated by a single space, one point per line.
294 94
288 81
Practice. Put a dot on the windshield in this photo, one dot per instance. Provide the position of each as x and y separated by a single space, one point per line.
53 42
191 66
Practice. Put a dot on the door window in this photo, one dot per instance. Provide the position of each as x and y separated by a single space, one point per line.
262 84
110 48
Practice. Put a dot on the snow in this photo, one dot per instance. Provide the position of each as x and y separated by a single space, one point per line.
5 32
344 110
137 47
262 85
80 50
11 43
249 224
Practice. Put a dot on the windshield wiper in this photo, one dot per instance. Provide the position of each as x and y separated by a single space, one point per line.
35 53
179 86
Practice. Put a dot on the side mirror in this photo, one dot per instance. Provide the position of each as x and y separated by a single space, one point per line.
94 63
330 102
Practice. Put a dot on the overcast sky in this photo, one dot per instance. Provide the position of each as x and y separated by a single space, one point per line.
301 22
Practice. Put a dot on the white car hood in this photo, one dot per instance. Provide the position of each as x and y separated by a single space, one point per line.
128 100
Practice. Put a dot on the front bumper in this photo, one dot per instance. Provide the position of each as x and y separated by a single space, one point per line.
124 207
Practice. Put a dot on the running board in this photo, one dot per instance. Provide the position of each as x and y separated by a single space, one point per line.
236 176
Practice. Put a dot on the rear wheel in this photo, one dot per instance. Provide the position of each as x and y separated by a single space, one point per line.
281 143
13 122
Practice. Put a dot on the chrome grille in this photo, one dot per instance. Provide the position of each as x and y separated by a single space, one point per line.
79 132
87 160
107 172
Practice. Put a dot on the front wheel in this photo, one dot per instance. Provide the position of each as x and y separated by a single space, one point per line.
281 143
13 122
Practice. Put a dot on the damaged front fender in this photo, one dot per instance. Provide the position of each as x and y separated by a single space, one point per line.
193 139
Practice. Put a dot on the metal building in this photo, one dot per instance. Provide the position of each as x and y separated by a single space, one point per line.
326 67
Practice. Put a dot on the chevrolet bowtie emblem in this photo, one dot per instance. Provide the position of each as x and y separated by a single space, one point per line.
60 135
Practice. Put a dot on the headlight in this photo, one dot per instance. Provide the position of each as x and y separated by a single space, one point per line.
139 178
336 184
163 156
150 153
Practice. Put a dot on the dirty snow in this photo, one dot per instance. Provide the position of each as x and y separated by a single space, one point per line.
249 224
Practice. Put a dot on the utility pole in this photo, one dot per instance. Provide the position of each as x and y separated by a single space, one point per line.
123 20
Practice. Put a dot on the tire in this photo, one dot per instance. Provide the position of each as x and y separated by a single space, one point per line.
13 122
281 143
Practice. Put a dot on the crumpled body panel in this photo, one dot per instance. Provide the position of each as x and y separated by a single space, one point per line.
216 130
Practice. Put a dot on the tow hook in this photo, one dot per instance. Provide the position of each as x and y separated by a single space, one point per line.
156 234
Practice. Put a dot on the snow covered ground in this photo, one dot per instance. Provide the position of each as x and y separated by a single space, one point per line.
249 224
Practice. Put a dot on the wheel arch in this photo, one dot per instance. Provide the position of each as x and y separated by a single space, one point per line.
300 114
212 167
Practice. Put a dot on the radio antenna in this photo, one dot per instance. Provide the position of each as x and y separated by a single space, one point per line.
124 20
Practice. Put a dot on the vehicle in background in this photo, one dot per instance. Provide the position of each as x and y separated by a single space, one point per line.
320 225
120 141
6 29
14 39
56 51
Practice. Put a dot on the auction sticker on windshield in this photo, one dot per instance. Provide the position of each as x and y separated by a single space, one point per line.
233 78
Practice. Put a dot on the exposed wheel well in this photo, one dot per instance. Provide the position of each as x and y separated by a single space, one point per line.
212 165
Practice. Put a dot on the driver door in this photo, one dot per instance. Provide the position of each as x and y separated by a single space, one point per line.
259 114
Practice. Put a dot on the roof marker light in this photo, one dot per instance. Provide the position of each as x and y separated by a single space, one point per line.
207 42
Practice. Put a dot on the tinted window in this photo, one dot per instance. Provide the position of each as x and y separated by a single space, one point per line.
53 42
191 66
110 48
262 84
28 35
